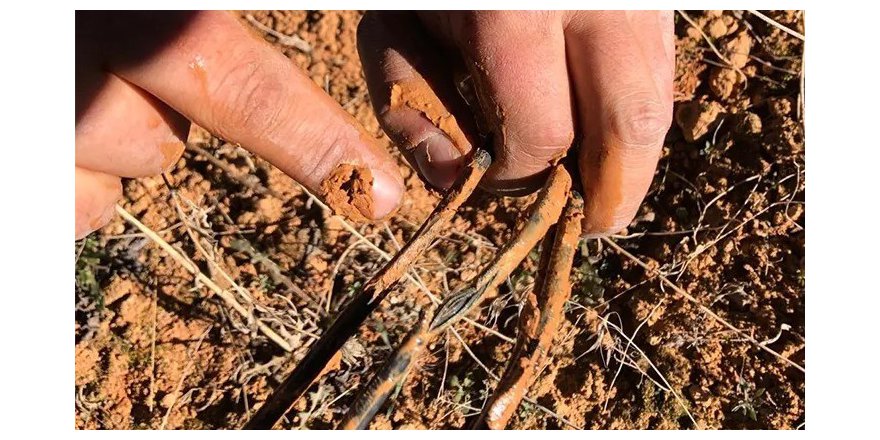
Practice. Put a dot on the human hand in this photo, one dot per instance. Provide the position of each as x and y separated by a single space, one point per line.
142 76
542 80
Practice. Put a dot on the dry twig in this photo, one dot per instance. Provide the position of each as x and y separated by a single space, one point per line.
705 309
193 269
284 40
779 25
183 377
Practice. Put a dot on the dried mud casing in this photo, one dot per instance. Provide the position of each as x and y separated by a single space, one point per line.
542 215
387 379
540 318
366 300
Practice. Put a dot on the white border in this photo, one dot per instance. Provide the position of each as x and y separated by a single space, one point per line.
37 189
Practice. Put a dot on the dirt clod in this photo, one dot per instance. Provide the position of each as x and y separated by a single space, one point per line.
724 82
695 118
738 49
349 191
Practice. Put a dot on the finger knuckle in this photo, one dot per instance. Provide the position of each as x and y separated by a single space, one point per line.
557 133
543 141
640 120
251 97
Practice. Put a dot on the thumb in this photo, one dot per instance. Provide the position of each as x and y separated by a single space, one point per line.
414 96
217 74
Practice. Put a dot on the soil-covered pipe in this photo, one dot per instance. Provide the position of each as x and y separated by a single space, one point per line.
386 380
542 215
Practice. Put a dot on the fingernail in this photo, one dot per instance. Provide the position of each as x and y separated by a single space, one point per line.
438 160
387 192
171 152
96 223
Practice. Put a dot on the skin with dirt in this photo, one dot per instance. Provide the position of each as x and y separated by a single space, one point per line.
349 191
417 95
724 220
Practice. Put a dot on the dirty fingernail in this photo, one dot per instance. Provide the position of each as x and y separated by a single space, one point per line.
387 192
438 160
95 223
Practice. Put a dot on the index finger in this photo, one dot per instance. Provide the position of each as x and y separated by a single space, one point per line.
208 67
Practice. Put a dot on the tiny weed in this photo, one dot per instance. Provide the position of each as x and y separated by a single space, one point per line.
267 284
86 266
461 388
750 399
588 288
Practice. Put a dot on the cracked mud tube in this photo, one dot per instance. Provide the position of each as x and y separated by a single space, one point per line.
367 299
543 214
539 319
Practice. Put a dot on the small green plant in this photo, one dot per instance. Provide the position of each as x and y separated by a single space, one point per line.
587 284
534 254
526 410
452 259
461 388
87 262
518 279
267 284
750 399
353 288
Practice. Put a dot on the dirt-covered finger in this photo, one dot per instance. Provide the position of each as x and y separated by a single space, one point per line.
413 94
624 118
96 195
124 131
518 66
221 76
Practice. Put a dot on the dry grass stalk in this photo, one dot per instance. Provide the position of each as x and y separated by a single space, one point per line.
183 376
225 295
779 25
